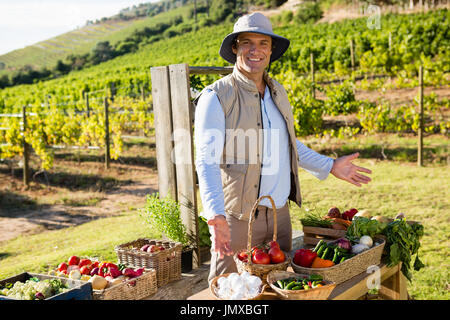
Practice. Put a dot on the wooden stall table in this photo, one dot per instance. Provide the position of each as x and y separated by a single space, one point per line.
393 286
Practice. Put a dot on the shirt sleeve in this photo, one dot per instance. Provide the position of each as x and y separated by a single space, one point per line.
209 127
315 163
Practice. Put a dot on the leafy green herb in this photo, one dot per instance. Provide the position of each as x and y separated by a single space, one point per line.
164 215
403 242
362 226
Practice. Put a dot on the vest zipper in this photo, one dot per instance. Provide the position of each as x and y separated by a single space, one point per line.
261 164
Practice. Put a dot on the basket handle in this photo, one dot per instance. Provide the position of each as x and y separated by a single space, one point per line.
252 218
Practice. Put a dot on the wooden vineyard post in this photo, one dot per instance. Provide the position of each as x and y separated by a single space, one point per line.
26 176
162 108
143 92
107 155
312 76
184 152
352 54
420 131
86 97
173 121
112 91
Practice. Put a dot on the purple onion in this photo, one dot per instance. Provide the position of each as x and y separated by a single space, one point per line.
39 296
95 271
344 243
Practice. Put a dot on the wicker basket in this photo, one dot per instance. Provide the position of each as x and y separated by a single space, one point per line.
348 268
131 289
260 270
214 288
321 293
167 263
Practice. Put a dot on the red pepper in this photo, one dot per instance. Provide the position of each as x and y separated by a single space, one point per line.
349 214
110 264
102 272
304 257
113 272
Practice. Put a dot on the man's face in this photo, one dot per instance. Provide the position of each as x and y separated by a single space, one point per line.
253 52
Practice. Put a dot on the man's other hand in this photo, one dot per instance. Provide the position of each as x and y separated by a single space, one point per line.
221 236
344 169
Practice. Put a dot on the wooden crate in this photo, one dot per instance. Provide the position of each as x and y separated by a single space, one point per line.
79 290
312 235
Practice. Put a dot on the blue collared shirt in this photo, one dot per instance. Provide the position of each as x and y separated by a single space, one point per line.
275 174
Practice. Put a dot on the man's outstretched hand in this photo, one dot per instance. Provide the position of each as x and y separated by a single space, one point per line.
221 236
344 169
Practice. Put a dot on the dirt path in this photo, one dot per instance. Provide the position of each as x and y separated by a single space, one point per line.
16 222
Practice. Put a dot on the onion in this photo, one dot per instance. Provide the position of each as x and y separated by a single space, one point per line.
366 240
358 248
344 243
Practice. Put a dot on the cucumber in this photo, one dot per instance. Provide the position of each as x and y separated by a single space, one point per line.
325 252
321 249
318 245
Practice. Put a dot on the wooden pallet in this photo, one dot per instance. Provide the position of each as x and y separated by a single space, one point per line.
312 235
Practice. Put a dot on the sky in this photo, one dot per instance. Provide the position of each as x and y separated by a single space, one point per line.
26 22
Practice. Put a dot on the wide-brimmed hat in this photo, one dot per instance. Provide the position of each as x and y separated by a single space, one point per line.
256 23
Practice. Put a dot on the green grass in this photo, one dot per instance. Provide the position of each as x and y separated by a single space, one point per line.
39 252
421 193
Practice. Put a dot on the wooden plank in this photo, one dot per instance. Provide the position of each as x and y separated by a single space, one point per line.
396 285
184 151
357 286
162 108
324 231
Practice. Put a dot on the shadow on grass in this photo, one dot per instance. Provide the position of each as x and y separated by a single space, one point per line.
407 154
4 255
72 182
14 205
10 201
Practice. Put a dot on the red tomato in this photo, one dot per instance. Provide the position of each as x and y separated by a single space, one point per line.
276 255
85 270
261 257
84 262
74 261
94 265
273 244
243 256
62 266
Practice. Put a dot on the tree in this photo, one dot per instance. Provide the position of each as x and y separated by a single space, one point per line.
62 68
4 81
102 52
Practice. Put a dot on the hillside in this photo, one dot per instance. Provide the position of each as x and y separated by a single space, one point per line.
81 40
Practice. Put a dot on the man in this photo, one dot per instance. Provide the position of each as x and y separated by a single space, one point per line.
249 107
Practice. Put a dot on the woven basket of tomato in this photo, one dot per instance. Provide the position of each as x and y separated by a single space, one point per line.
262 259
